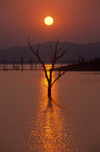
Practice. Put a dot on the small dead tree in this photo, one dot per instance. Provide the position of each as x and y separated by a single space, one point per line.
21 61
4 67
79 55
54 59
31 64
15 64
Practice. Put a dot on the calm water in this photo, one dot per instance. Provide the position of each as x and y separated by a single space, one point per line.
29 124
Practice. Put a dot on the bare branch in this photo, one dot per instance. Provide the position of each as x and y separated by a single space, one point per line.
50 56
38 49
51 49
63 53
55 54
59 75
56 45
60 49
31 47
55 57
38 56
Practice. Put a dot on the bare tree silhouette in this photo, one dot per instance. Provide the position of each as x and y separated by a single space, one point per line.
54 59
21 61
31 64
15 64
4 67
79 55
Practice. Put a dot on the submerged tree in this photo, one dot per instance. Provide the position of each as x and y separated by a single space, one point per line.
54 59
31 64
3 61
21 61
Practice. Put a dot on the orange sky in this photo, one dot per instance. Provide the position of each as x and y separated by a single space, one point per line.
75 21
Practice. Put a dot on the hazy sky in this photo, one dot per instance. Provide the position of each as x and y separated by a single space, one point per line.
75 21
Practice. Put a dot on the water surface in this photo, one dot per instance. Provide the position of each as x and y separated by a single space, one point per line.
28 123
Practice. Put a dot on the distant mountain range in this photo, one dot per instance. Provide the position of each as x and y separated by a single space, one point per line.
84 51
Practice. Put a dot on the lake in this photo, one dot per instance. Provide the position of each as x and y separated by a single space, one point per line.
29 124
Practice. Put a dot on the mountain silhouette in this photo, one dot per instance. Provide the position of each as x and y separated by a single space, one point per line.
87 51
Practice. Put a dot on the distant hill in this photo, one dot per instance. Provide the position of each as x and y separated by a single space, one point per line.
85 51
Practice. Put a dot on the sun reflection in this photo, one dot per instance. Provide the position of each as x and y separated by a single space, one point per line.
44 80
48 67
48 133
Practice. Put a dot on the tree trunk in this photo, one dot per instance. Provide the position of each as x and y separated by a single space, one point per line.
49 88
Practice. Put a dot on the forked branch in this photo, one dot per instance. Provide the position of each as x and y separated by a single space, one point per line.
59 75
38 56
55 53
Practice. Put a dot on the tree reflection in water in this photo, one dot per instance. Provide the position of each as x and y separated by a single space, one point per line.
49 132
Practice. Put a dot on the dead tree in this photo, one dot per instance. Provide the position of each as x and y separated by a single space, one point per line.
79 55
4 67
31 64
54 59
21 61
15 64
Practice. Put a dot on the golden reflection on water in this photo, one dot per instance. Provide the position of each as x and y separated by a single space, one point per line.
48 131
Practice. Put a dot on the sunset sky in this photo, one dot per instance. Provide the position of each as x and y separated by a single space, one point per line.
76 21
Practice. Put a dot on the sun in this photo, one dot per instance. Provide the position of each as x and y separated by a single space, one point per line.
48 20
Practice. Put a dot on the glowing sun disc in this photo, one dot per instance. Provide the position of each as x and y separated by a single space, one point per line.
48 20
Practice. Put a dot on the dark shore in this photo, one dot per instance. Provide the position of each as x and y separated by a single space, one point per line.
86 66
